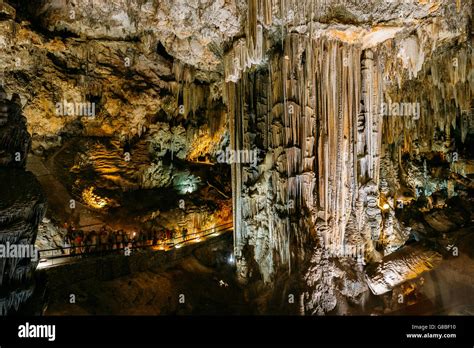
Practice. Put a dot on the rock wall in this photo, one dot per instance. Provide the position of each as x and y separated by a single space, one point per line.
128 63
22 207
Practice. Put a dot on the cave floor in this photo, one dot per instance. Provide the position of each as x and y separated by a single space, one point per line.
449 288
189 287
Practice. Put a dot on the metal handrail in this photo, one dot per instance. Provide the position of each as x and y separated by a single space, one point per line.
200 234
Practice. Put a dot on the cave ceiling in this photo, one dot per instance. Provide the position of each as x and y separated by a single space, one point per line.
135 56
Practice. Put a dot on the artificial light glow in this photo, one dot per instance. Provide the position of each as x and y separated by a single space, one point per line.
231 259
186 183
92 199
187 189
204 144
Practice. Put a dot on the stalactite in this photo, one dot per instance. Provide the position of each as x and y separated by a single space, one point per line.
450 95
317 103
194 95
295 109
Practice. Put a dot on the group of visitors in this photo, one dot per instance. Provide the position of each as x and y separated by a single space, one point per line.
78 241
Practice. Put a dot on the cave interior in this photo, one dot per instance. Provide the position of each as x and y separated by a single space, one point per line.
252 156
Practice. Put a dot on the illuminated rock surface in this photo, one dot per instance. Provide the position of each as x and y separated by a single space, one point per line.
359 112
345 119
406 264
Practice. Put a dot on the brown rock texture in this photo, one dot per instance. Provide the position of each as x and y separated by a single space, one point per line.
353 109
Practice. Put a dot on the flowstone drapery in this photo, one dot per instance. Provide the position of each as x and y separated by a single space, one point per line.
330 110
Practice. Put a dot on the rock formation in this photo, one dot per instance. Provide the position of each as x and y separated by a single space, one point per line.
22 207
326 106
359 114
406 264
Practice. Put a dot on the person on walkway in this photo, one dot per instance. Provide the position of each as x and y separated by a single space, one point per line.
70 228
67 244
87 243
120 239
79 241
94 239
73 243
176 235
126 238
112 241
184 233
104 240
